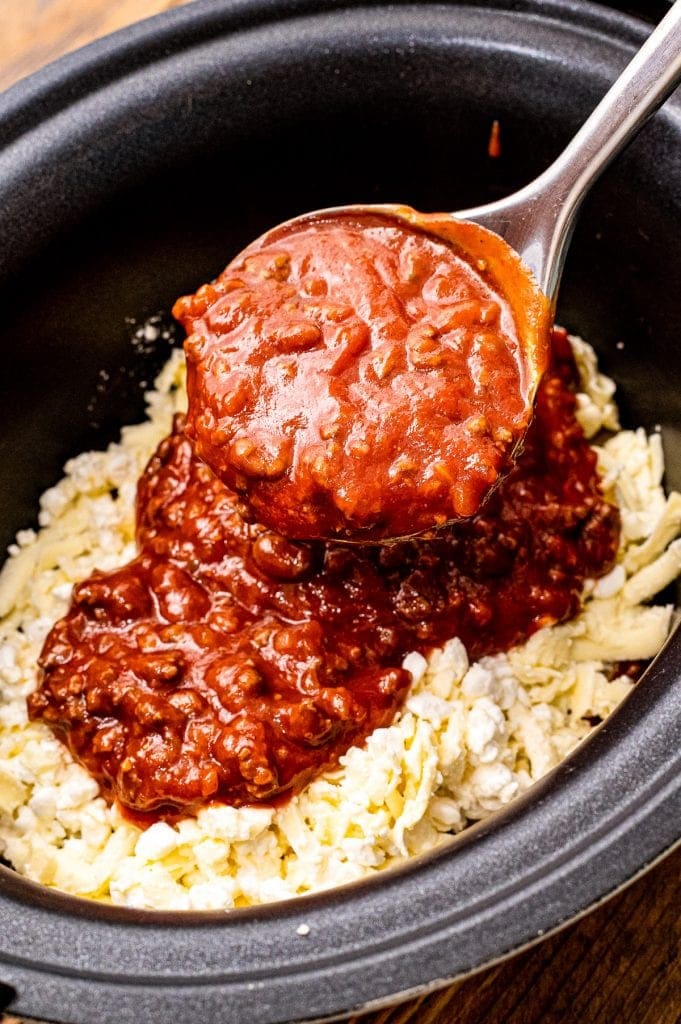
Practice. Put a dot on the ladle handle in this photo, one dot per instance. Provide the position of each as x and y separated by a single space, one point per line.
538 220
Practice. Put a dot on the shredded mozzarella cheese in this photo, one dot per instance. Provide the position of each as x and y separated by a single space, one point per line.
469 739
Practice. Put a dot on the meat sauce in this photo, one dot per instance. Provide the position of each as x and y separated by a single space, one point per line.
229 663
359 376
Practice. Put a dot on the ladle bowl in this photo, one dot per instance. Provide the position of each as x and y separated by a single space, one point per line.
521 241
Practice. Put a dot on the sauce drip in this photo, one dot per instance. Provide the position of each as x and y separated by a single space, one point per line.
229 663
357 376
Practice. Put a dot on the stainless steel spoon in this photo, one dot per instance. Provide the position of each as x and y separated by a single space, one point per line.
532 228
537 221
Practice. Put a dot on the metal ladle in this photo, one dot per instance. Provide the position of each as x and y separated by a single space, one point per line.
531 228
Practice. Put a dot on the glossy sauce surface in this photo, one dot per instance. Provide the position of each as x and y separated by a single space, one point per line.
227 662
356 376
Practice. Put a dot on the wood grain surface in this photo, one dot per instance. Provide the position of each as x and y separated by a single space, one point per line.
618 965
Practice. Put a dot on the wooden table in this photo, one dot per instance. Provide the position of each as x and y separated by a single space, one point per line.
618 965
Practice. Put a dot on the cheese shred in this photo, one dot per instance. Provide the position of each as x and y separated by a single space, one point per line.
470 738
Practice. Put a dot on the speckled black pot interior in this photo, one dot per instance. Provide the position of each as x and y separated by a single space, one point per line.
131 171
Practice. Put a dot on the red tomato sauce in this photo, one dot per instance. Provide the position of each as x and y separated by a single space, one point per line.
355 376
228 663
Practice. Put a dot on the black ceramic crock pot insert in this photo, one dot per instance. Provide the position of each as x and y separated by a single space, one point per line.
109 159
